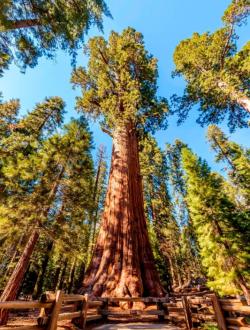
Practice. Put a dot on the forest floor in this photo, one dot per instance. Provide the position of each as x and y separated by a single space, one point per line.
29 318
67 325
138 326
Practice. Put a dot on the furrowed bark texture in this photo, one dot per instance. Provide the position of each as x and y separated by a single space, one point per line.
123 263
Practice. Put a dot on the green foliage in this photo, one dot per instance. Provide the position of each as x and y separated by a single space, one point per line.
172 241
237 12
223 252
217 75
8 116
119 83
184 239
47 181
209 326
235 157
32 28
157 203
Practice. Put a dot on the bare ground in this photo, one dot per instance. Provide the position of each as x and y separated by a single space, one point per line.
139 326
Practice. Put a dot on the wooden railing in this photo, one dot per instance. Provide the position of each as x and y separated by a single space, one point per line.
51 310
232 314
193 309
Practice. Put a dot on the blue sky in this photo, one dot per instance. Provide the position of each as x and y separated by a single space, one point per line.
164 23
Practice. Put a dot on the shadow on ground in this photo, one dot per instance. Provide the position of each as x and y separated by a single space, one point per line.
129 326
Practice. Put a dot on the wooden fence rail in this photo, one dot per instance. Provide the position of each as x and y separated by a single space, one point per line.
193 309
50 307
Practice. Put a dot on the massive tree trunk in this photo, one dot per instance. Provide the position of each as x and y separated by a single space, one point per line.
123 263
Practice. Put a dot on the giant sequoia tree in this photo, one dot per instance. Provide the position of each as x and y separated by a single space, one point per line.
119 87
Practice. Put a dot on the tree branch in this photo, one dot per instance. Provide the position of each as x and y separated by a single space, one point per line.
20 24
107 63
226 48
105 130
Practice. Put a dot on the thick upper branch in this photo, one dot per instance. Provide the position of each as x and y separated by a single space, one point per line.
20 24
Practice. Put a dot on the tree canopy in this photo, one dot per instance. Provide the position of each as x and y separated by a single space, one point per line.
120 83
33 28
216 72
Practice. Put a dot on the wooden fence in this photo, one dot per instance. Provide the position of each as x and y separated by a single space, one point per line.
191 309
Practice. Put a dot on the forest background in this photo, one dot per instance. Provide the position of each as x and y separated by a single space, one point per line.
50 186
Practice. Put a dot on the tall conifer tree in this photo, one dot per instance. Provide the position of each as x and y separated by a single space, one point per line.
119 85
236 158
217 74
223 255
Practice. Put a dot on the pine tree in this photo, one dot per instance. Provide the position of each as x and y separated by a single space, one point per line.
32 28
38 203
26 202
217 74
68 215
99 192
235 157
158 207
185 258
223 255
119 85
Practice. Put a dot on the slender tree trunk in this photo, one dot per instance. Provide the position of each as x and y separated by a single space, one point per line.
80 278
71 277
96 198
56 278
40 280
17 276
15 256
172 272
62 275
245 289
123 263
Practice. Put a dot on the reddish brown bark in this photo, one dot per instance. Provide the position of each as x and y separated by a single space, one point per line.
17 276
239 97
123 263
20 24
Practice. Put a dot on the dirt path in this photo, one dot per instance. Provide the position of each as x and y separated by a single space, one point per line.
139 326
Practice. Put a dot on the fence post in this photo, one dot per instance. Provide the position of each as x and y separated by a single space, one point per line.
159 305
105 308
187 312
218 312
55 311
83 318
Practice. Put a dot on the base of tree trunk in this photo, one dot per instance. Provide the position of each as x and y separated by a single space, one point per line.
123 263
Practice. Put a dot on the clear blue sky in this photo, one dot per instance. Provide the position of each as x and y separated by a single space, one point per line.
164 23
